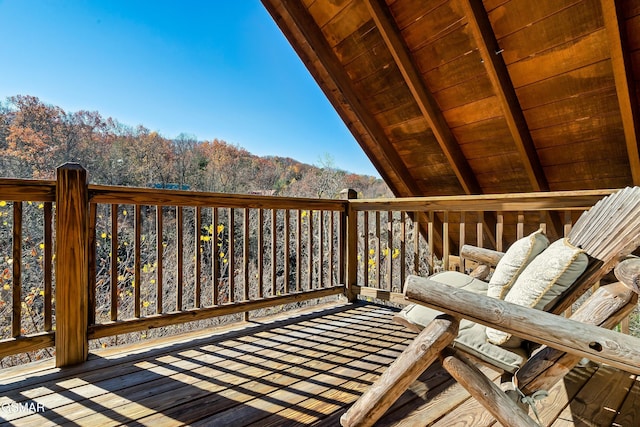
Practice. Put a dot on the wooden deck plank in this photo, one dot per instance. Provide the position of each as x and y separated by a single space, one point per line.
597 403
562 393
630 411
305 370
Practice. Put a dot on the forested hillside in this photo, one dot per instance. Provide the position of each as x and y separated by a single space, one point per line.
36 137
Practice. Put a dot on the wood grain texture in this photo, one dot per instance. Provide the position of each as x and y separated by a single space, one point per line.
485 391
574 337
421 353
72 265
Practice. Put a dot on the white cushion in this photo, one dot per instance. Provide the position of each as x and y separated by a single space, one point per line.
548 276
471 336
514 261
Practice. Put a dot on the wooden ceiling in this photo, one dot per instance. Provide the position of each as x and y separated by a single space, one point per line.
454 97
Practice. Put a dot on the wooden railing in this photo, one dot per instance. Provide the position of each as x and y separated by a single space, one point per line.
26 297
131 259
184 256
424 235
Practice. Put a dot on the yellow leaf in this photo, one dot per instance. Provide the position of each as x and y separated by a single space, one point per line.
152 281
6 287
103 235
146 304
220 228
3 203
124 212
205 238
372 251
41 206
41 245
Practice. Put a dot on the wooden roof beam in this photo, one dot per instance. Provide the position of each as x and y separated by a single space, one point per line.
497 71
307 39
625 87
427 104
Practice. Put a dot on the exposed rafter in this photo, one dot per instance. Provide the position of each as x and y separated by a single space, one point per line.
624 80
487 44
424 99
326 69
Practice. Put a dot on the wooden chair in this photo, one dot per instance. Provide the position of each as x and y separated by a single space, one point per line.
608 233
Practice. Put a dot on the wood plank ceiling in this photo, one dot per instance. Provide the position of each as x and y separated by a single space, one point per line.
454 97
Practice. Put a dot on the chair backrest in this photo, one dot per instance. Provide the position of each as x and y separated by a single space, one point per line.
608 232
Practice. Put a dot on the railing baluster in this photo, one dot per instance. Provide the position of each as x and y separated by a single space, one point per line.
260 241
520 226
480 230
92 268
215 256
16 324
403 238
159 259
137 280
321 250
543 217
431 241
48 268
198 255
245 259
114 262
310 251
567 223
389 249
499 231
298 251
378 246
446 250
179 256
245 254
231 265
416 244
330 237
462 240
274 263
365 258
286 251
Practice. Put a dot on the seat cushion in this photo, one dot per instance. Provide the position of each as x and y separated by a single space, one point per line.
514 261
548 276
472 337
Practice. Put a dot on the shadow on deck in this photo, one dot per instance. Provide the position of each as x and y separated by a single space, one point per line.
304 370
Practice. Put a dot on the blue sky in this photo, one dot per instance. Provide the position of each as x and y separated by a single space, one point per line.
213 69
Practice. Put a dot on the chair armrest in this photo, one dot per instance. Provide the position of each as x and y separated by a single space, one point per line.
481 255
598 344
628 272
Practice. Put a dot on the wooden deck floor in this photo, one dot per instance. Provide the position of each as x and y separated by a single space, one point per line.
304 370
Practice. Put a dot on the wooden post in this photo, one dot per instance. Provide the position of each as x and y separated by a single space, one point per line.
72 212
413 361
350 243
486 392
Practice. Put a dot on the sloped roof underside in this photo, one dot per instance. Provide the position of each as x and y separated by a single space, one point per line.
451 97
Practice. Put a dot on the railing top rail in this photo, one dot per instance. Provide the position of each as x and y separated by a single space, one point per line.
164 197
23 190
565 200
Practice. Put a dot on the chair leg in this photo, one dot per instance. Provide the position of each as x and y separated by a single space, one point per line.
414 360
496 401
